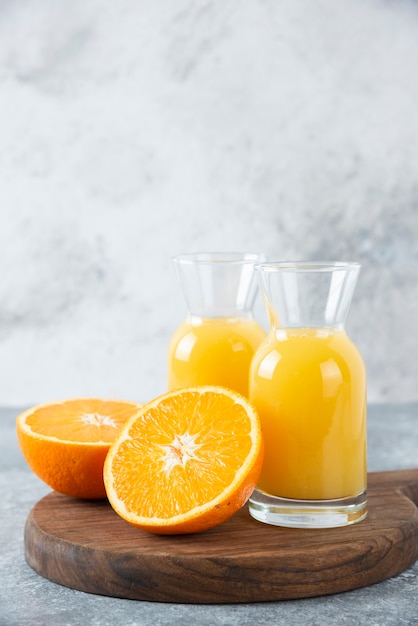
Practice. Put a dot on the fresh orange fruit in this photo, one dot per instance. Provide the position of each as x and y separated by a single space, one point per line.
65 443
186 461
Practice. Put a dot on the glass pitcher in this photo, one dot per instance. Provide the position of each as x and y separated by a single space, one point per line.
217 340
308 384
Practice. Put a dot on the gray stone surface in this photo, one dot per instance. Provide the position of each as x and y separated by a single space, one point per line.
27 599
132 131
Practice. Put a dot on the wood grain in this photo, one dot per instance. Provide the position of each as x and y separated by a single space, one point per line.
86 546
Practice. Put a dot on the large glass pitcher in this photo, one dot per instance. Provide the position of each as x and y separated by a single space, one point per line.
308 383
217 340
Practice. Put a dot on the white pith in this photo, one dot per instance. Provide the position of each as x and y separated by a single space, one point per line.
96 419
181 450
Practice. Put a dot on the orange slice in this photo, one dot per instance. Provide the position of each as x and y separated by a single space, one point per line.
65 443
186 462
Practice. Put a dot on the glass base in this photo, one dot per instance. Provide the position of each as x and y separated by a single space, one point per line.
307 513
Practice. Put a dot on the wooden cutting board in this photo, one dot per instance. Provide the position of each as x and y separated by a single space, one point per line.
86 546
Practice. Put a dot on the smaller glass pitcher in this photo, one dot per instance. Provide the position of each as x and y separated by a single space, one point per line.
217 340
308 384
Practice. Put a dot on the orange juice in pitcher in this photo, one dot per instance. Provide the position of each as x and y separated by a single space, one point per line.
216 342
308 384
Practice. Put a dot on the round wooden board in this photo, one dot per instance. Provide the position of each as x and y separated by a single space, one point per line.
86 546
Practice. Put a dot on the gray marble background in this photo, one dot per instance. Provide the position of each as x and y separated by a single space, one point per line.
132 131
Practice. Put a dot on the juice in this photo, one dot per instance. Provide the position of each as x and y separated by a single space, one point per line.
309 387
213 351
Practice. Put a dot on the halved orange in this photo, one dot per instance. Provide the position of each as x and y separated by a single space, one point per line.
187 461
65 443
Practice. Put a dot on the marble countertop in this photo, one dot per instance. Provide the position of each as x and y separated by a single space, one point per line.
27 599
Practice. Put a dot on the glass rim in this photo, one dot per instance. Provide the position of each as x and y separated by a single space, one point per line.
219 257
308 266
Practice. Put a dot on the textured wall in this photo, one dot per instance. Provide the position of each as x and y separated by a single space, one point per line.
131 131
